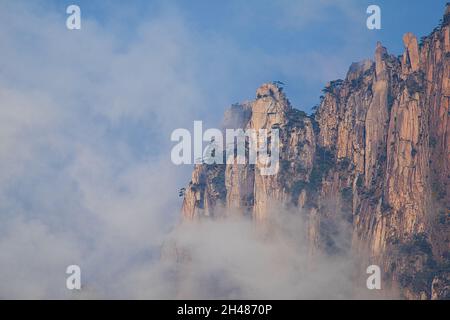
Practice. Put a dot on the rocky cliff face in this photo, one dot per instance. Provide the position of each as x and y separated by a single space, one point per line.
375 156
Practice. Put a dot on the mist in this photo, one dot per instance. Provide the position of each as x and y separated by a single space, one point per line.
86 176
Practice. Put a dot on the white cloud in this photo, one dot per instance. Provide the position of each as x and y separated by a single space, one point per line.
86 179
73 188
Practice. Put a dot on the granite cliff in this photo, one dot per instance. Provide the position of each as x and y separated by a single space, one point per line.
374 156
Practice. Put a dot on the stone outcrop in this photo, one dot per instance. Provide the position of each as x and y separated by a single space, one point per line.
375 155
411 60
242 187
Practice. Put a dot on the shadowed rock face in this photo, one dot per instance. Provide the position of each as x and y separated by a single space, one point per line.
376 155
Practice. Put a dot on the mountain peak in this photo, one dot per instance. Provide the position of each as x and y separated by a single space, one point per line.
270 90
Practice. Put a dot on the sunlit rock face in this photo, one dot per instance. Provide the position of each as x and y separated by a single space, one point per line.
375 156
244 188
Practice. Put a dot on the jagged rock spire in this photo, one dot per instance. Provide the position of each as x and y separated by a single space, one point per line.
411 55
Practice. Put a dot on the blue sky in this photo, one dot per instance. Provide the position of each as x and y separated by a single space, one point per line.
303 33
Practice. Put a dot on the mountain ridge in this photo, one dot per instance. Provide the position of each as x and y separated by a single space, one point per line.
375 154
